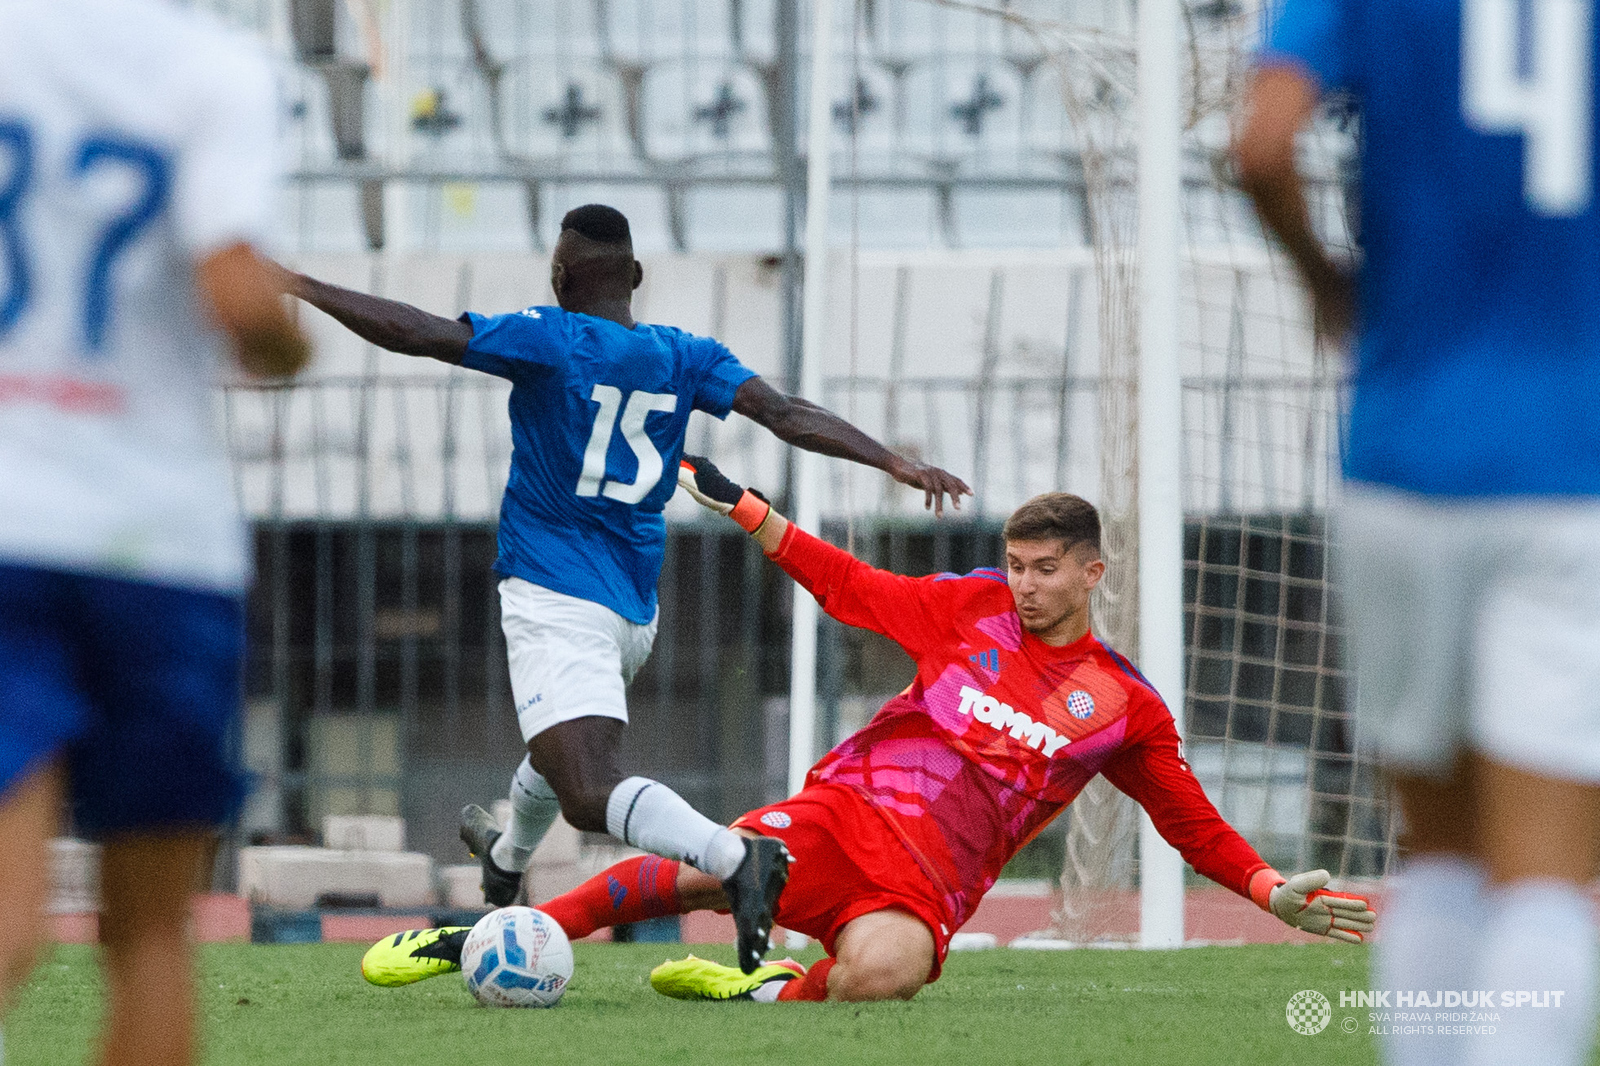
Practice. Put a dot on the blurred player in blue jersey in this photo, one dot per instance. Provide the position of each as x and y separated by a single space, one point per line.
137 177
1469 535
599 408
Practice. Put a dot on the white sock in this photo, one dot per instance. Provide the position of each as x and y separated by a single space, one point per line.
1540 938
768 992
1428 939
648 815
533 808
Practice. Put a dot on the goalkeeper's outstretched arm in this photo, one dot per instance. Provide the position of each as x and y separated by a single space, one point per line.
1153 772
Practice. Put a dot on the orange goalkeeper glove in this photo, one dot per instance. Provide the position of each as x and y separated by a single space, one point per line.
711 489
1302 902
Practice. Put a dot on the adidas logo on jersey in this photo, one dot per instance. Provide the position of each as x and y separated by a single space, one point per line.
1004 717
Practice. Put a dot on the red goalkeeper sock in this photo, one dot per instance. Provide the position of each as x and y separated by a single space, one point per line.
813 987
631 891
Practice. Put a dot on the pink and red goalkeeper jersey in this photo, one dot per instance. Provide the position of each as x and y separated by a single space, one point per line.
1000 731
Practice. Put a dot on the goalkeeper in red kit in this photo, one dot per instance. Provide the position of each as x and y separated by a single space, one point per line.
902 828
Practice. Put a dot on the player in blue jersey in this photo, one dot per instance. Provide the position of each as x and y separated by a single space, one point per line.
1469 536
599 407
137 180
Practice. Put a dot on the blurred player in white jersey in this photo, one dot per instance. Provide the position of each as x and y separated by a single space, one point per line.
1469 537
136 179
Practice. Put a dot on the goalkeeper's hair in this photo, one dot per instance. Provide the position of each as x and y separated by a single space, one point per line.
1056 516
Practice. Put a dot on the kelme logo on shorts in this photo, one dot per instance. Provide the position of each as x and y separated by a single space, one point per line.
776 820
1005 718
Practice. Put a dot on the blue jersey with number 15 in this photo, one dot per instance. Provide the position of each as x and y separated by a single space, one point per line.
598 414
1479 359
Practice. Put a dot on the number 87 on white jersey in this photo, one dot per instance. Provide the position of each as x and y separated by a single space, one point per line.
136 138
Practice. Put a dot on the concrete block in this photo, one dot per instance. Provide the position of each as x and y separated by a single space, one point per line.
461 886
364 832
546 881
569 863
293 876
561 844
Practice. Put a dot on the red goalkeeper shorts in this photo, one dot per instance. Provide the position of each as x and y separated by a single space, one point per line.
847 862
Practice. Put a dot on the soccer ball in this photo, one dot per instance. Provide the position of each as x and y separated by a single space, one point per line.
517 957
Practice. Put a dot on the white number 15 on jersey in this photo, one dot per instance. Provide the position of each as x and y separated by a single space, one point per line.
1526 68
640 407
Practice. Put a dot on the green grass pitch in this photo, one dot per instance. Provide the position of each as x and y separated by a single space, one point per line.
308 1004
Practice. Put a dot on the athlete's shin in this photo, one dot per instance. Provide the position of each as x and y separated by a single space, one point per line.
648 815
1433 921
1539 939
1539 837
29 815
149 962
634 890
534 807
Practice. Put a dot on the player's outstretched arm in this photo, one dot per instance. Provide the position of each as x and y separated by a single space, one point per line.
390 324
816 429
1154 773
1281 100
244 294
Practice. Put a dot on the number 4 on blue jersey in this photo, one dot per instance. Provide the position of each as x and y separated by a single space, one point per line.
1533 76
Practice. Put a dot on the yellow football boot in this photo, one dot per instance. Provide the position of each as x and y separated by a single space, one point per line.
409 957
694 978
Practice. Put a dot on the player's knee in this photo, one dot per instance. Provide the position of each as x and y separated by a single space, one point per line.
899 983
885 970
878 979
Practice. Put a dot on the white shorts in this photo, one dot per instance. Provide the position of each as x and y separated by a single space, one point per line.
1474 624
569 658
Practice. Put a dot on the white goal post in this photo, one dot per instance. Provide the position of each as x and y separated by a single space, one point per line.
808 465
1160 416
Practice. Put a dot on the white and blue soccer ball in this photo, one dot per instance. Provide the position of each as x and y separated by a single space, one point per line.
517 957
